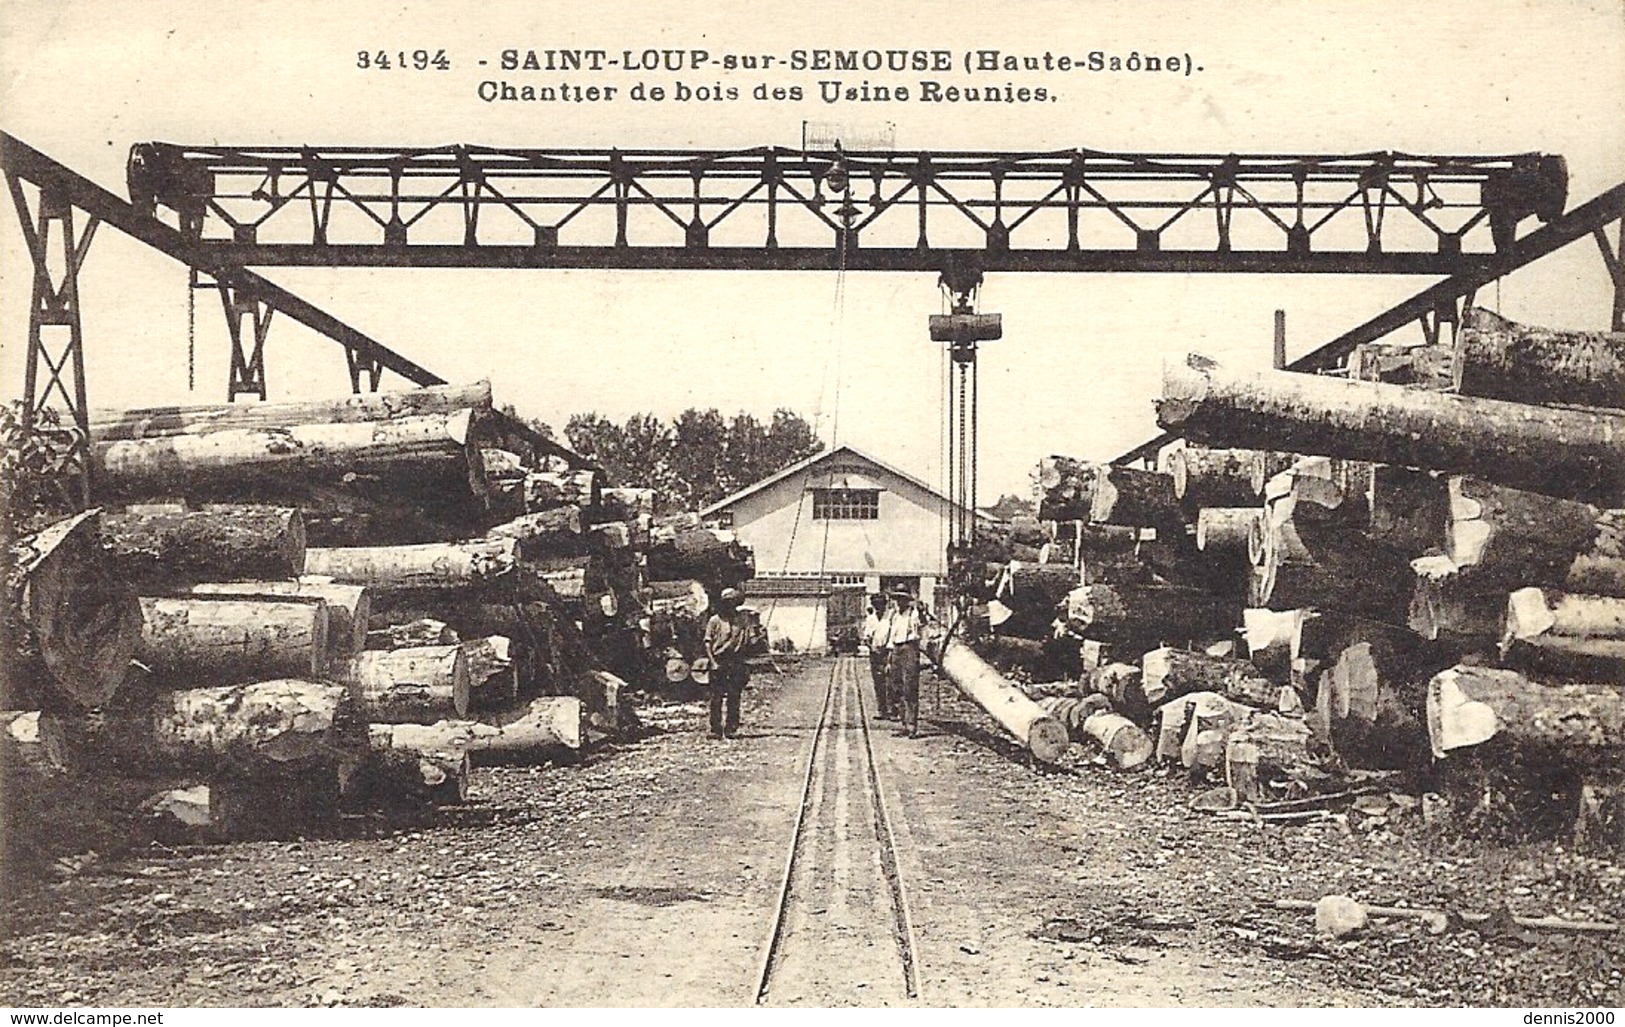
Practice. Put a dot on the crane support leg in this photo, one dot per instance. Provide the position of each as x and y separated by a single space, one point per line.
55 369
248 319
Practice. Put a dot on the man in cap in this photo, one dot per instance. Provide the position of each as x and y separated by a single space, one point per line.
874 638
727 634
902 632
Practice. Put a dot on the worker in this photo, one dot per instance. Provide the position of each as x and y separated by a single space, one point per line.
727 634
874 628
903 626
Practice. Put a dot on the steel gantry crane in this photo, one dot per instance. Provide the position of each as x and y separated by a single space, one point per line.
224 209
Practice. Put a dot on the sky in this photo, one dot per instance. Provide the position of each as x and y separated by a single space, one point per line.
1081 355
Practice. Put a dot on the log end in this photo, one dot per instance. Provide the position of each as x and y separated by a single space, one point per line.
1047 739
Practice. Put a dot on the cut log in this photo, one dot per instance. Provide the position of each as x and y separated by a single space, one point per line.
1119 682
348 606
1132 497
1110 555
493 680
1600 571
1468 706
1226 529
1441 610
1366 708
1269 749
225 640
1548 627
435 448
1067 486
624 504
1216 477
705 554
1138 618
1191 729
541 727
1502 359
1168 673
1038 732
72 627
438 566
1274 640
411 686
423 631
1569 453
391 774
1499 539
554 532
29 739
221 543
160 422
1417 367
269 723
1122 740
545 490
1037 586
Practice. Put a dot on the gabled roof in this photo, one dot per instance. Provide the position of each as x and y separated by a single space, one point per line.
818 458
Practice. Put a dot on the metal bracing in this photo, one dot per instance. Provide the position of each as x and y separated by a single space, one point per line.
244 310
55 365
23 163
1442 304
785 209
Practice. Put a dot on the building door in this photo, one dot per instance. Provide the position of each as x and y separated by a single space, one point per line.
844 617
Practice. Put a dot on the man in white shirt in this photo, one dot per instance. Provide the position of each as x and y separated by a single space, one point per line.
902 632
874 639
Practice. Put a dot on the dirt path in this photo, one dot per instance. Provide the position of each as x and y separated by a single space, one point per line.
647 875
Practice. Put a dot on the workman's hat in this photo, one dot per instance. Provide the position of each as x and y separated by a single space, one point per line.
731 595
901 592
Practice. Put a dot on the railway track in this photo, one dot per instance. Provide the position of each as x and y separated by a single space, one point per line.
841 932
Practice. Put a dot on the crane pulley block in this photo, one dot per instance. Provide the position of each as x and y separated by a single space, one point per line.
966 328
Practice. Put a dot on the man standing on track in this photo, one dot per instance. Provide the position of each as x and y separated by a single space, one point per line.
874 638
902 632
727 634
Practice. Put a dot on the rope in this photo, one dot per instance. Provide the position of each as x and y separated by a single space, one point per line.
191 330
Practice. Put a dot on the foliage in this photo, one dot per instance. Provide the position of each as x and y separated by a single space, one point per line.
1010 507
696 459
32 459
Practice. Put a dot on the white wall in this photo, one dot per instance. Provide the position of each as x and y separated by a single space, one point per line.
908 538
799 618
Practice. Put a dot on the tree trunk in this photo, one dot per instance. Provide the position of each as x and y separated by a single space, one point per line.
1216 477
1138 618
555 532
1169 673
423 631
540 727
1088 718
1443 611
411 686
1502 359
1226 529
1132 497
493 679
1561 631
435 448
348 607
221 543
225 640
1040 733
1111 555
161 422
72 626
1569 453
435 566
1275 640
714 557
1192 728
1468 706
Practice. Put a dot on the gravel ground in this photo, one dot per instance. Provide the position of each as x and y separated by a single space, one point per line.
642 875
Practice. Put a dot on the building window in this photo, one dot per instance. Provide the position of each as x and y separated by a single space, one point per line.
846 504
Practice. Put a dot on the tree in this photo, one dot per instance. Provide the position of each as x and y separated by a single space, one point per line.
1010 506
698 457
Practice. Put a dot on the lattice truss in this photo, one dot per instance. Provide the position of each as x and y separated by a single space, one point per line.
783 208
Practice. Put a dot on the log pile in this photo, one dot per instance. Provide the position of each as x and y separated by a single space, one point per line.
317 608
1436 569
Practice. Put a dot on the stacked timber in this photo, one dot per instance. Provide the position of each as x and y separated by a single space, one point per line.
1435 569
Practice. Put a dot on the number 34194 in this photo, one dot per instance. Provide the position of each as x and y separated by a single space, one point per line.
403 60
